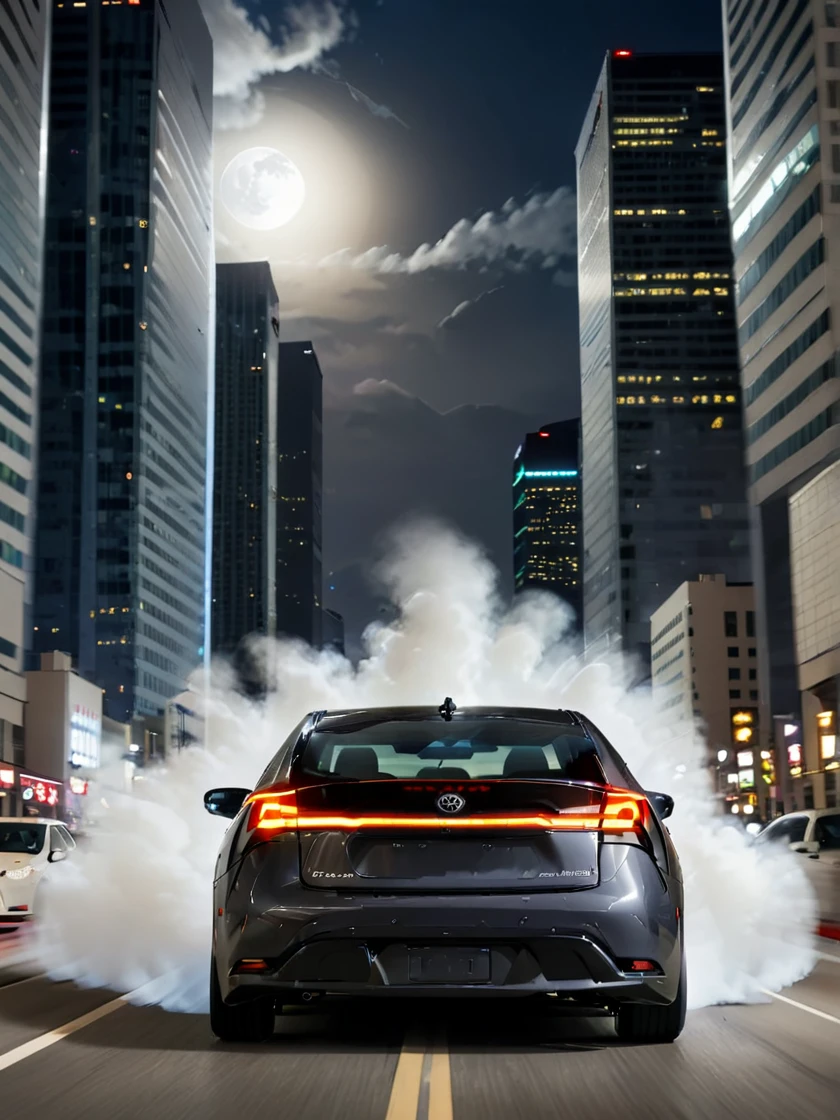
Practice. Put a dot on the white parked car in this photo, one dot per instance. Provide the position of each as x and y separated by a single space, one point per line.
28 845
815 833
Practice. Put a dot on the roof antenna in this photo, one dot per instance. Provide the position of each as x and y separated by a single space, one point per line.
447 708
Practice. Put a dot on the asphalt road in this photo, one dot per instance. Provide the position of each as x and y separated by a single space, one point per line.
74 1053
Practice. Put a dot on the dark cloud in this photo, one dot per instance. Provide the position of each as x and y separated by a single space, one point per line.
387 454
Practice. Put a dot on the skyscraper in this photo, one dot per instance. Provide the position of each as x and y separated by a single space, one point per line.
245 456
783 109
120 578
547 536
663 484
24 42
299 491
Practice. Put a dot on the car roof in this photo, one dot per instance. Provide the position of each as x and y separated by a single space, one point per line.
30 820
345 718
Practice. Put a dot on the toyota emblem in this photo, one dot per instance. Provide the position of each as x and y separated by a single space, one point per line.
450 803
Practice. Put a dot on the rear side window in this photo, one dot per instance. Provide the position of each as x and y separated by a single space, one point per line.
461 750
790 831
827 832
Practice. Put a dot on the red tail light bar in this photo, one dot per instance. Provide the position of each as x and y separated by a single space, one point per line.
618 811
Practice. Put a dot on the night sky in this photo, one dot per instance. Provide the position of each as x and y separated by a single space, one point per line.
407 117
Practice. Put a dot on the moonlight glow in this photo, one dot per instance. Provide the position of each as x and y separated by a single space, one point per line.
262 189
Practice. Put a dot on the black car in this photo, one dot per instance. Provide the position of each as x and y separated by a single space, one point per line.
430 851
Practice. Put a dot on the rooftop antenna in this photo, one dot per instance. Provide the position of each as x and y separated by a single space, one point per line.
447 708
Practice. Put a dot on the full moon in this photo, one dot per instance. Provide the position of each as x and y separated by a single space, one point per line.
262 189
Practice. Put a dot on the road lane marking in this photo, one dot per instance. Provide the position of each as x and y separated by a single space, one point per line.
440 1084
24 980
802 1006
405 1090
827 957
12 1057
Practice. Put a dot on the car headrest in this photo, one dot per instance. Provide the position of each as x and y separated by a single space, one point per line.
357 762
527 761
442 772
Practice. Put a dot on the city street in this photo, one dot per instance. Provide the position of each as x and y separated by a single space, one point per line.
84 1054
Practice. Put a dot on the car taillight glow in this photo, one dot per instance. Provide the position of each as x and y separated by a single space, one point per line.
251 964
276 810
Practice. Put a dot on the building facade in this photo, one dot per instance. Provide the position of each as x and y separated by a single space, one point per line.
126 349
64 731
24 51
547 531
299 493
244 456
704 667
815 562
663 485
783 110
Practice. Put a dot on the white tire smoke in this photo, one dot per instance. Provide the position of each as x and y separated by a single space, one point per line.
133 908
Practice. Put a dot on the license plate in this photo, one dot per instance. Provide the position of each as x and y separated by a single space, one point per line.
449 966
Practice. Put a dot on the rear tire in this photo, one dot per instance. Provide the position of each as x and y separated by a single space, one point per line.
244 1022
642 1022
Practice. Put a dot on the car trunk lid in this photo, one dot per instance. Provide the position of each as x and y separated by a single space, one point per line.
480 836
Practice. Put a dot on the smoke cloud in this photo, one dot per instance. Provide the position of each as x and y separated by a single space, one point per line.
132 909
244 52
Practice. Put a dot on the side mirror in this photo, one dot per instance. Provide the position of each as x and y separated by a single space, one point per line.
225 802
810 848
57 855
663 803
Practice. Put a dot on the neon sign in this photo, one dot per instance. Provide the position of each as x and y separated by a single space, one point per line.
85 735
39 790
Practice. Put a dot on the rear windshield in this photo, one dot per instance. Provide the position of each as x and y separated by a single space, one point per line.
497 748
24 838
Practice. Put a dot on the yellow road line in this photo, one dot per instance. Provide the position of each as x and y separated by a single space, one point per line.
440 1085
405 1091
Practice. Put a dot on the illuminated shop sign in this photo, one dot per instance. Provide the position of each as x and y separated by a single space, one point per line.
746 779
827 731
792 734
7 778
85 737
39 791
79 786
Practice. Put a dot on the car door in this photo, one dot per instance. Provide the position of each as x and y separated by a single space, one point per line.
826 833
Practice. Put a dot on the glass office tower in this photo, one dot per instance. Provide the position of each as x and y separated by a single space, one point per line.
245 455
783 109
547 532
663 480
299 493
24 47
127 348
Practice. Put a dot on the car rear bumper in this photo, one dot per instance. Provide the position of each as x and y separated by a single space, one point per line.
579 944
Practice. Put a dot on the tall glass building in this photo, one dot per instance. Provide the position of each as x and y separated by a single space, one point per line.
24 45
245 456
547 531
299 493
127 348
783 110
664 496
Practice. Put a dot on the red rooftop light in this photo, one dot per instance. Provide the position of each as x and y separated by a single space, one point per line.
622 54
545 435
